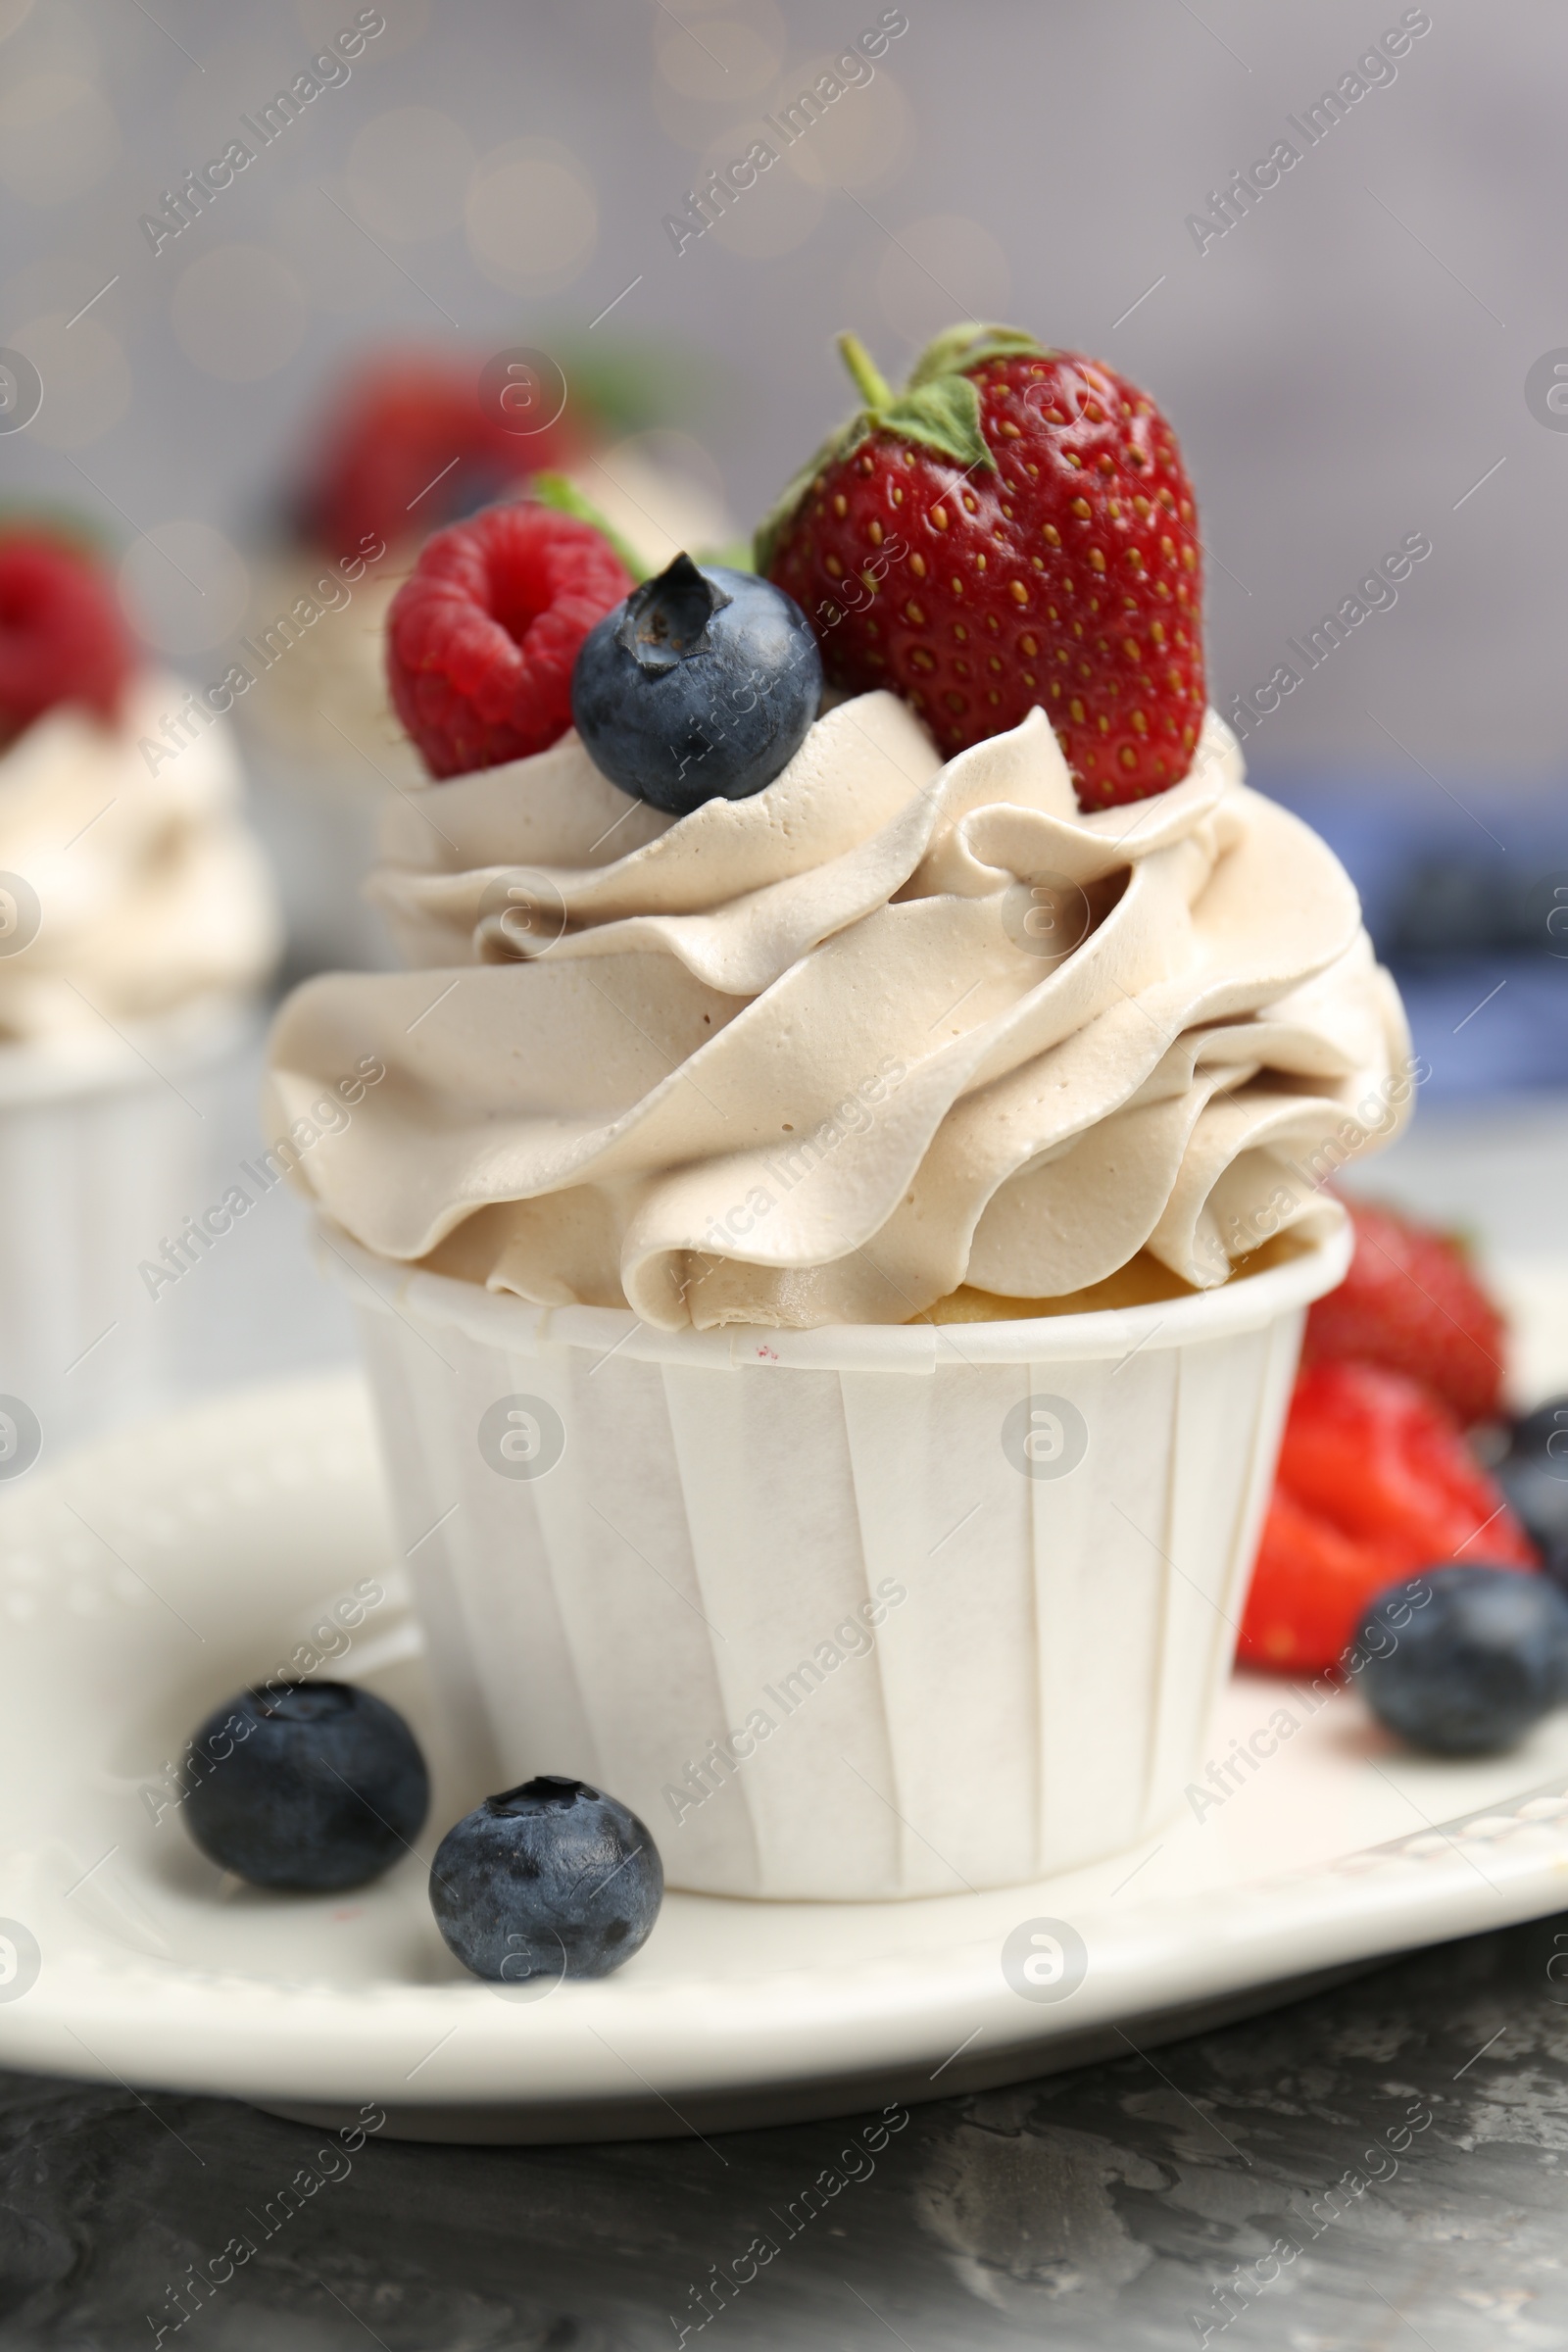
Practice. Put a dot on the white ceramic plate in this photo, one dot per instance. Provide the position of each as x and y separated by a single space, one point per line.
143 1581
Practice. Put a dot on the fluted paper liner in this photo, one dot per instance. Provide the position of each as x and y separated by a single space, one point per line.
101 1155
948 1667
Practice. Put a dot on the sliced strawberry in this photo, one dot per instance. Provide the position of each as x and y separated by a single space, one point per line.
1375 1480
1411 1304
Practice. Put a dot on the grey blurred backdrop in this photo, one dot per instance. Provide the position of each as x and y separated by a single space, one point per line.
1344 366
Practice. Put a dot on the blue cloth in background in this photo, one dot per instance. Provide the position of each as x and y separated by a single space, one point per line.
1465 891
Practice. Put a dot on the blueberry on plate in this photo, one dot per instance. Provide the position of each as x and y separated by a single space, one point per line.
1475 1667
309 1786
700 686
1534 1476
548 1880
1542 1436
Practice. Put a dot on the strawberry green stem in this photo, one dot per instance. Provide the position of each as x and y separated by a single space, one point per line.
869 382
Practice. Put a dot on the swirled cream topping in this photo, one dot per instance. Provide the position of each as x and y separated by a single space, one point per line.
130 887
317 658
824 1056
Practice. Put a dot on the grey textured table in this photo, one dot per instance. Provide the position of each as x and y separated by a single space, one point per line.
1109 2207
1133 2203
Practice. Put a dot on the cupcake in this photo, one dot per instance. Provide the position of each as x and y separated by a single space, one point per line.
834 1232
410 440
136 927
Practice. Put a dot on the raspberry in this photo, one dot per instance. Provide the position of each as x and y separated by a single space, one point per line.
482 636
1375 1482
409 446
62 638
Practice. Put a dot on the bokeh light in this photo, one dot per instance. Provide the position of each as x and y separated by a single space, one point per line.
861 137
58 136
719 58
531 214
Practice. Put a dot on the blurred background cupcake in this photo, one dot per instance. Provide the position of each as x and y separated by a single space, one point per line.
408 439
138 926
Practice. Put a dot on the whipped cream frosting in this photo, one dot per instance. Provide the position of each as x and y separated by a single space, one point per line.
150 892
889 1027
319 693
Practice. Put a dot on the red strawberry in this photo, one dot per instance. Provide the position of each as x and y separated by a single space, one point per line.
386 463
1411 1303
62 638
1014 527
482 636
1375 1480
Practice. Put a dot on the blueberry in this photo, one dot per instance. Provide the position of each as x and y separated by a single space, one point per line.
700 686
306 1785
548 1880
1475 1666
1542 1436
1538 1497
1534 1476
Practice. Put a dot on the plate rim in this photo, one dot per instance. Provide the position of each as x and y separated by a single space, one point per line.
219 2030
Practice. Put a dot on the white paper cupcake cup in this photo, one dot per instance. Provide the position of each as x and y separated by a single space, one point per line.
102 1152
845 1614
